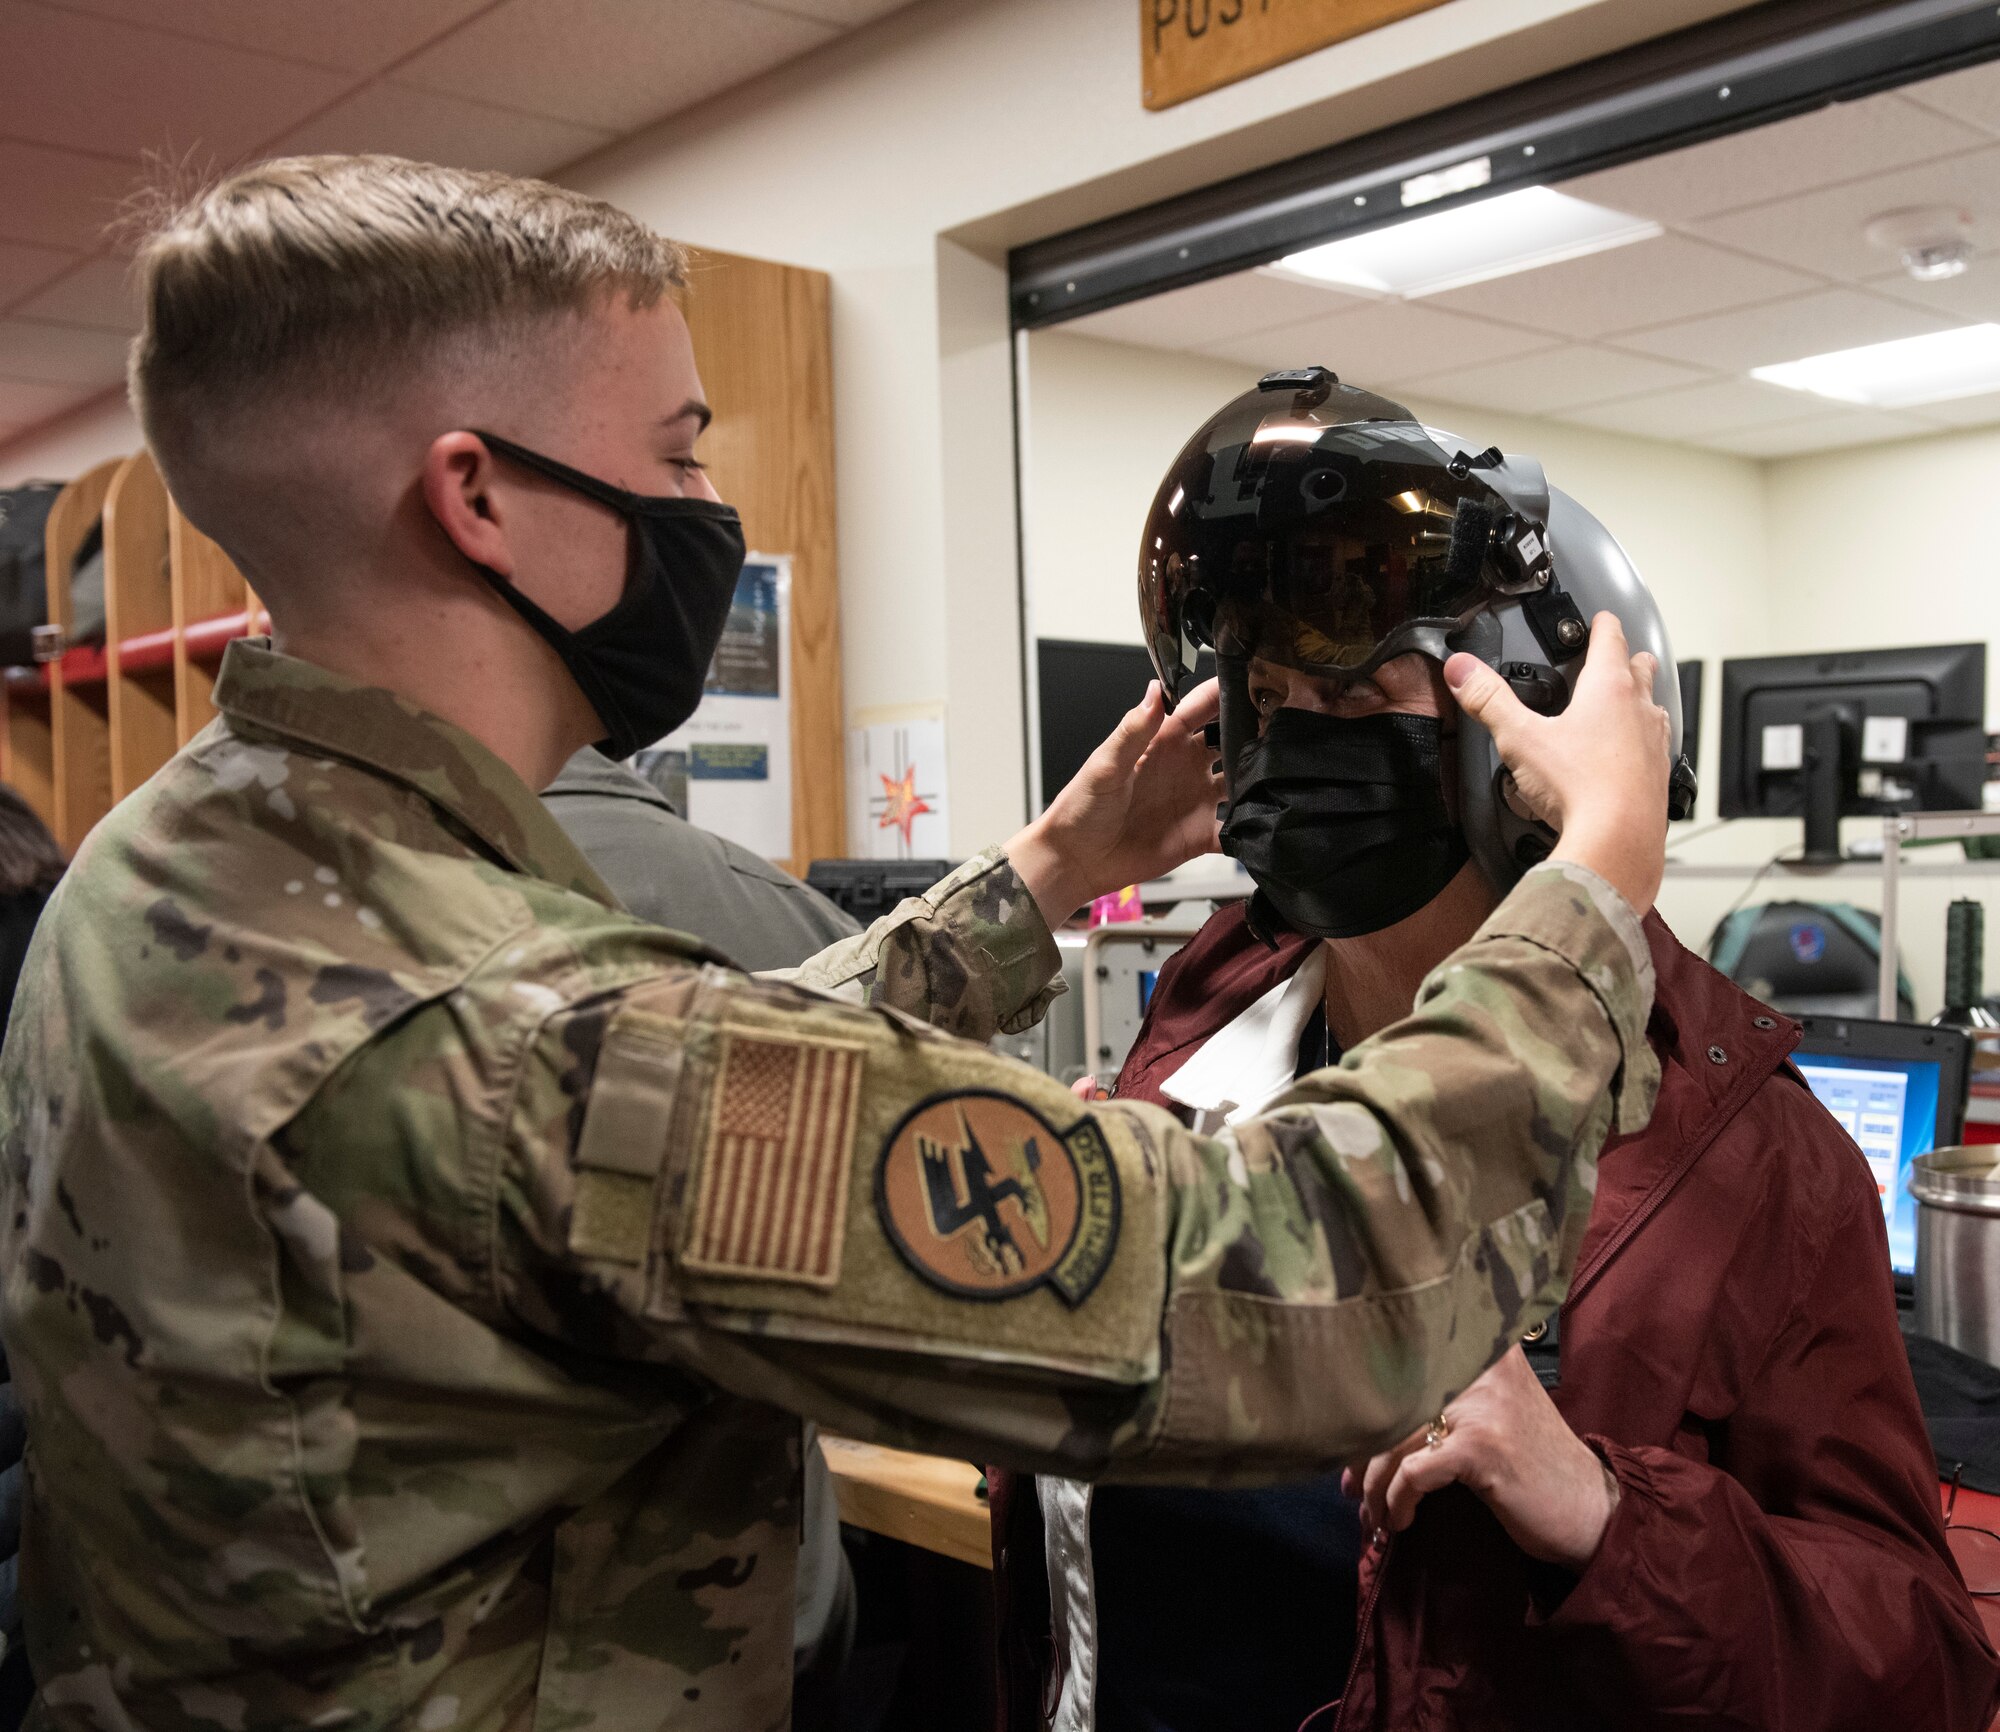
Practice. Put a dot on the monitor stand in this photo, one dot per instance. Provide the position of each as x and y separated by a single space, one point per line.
1826 780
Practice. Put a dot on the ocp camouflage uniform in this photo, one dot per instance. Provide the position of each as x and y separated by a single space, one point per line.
414 1264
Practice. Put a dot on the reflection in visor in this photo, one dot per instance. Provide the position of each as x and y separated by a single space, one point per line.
1327 593
1312 530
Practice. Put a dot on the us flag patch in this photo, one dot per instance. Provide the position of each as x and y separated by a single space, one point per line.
771 1202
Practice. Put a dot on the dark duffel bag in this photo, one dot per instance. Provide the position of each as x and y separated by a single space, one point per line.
24 589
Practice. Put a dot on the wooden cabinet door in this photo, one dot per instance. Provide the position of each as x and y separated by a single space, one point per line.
763 338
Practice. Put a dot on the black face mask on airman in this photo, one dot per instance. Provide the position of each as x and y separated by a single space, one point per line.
1341 821
643 664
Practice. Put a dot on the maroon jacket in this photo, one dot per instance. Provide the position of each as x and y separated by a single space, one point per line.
1776 1562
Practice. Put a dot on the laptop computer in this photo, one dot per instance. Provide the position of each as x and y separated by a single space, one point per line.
1898 1089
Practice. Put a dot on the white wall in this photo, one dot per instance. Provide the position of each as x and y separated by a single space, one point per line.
1101 423
1889 544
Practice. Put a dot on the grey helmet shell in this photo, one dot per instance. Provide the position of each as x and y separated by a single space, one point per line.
1599 577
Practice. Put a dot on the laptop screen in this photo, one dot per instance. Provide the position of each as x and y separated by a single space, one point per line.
1890 1107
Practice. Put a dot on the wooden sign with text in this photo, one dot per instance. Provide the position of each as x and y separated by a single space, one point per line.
1191 46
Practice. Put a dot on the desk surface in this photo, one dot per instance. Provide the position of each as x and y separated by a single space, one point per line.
926 1500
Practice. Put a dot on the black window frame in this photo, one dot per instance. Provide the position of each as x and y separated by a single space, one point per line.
1744 70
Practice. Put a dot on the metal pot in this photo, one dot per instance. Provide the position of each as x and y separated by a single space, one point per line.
1958 1248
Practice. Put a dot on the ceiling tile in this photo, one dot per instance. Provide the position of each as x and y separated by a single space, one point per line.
23 269
1228 306
610 63
1787 330
1821 231
23 404
1693 412
60 354
1980 411
433 128
97 292
1971 298
1836 425
353 35
1553 380
1627 287
846 13
1376 344
120 90
58 198
1972 95
1833 144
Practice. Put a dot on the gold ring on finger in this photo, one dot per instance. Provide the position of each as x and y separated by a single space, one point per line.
1437 1431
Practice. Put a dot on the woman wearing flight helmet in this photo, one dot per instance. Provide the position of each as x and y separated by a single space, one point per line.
1317 527
1705 1495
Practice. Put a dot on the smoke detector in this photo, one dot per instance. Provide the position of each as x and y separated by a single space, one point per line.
1932 242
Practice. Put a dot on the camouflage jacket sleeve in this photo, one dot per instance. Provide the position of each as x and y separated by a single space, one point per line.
912 1239
972 956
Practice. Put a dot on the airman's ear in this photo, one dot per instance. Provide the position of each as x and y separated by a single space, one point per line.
458 487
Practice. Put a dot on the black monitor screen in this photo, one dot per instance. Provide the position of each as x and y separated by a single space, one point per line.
1085 689
1906 726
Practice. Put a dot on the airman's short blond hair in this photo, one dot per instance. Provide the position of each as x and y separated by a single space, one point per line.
333 272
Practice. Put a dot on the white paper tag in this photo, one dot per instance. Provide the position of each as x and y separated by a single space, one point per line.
1783 746
1885 739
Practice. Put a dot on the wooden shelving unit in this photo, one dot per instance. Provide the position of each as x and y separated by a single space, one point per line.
212 604
138 609
81 733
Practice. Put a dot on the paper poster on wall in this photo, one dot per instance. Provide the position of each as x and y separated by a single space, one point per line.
896 785
729 767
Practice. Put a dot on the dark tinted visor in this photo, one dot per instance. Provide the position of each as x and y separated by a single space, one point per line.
1291 530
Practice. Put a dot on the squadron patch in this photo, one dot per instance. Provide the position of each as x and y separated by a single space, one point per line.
771 1198
987 1200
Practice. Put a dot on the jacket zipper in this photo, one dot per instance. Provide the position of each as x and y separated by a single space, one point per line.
1364 1629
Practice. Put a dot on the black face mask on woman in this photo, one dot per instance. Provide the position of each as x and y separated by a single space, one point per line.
1341 821
642 665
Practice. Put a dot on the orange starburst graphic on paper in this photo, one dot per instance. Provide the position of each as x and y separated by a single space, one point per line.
901 803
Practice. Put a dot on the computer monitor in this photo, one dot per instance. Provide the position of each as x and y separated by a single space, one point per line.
1853 732
1085 689
1898 1089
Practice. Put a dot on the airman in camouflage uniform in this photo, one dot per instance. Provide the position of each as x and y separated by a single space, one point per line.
416 1267
357 1146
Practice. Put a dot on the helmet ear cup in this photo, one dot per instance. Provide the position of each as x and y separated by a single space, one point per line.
1600 577
1594 576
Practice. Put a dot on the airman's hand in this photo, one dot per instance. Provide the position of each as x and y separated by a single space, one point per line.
1597 773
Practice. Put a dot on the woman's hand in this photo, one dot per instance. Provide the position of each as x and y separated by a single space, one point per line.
1143 804
1505 1442
1598 772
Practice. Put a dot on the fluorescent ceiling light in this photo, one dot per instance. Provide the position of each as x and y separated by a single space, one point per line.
1930 369
1470 243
